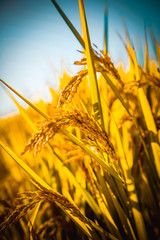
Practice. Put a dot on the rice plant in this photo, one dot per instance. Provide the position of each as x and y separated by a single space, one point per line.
86 165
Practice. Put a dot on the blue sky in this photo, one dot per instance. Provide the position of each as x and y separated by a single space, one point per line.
35 41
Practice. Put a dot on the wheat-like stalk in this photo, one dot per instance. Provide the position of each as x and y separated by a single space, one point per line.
88 125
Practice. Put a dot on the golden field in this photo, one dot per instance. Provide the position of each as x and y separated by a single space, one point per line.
87 164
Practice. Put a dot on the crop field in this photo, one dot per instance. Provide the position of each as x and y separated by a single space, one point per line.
87 164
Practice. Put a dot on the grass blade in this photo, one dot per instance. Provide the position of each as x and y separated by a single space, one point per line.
70 25
106 29
115 90
146 58
96 102
23 113
27 169
156 46
26 100
140 226
33 218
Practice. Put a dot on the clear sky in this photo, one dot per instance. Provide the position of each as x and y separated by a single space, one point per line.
35 41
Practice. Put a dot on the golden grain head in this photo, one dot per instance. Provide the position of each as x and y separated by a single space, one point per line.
88 125
103 63
70 89
17 214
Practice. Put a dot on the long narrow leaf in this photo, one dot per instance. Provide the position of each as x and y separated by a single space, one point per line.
96 102
23 113
146 58
106 29
25 100
75 32
115 90
140 225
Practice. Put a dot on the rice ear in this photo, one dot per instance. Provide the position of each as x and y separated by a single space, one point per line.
71 137
60 200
